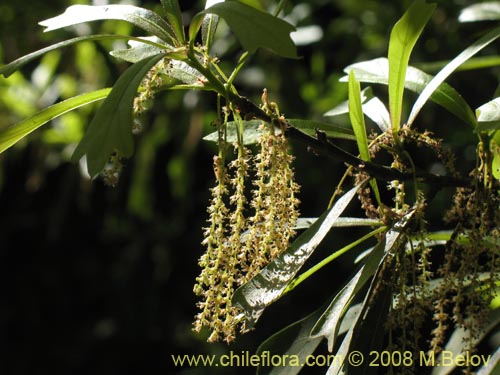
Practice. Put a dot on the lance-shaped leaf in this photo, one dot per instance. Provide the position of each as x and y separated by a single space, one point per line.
372 106
17 64
15 133
488 11
291 340
450 68
174 18
253 28
357 117
267 286
488 115
329 323
377 71
145 19
355 334
138 50
111 129
404 35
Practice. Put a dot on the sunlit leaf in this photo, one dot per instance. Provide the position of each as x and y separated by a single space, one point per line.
209 25
256 29
404 35
111 129
145 19
138 50
377 71
174 17
306 222
450 68
183 72
17 64
251 133
268 285
488 115
357 117
14 133
488 11
372 106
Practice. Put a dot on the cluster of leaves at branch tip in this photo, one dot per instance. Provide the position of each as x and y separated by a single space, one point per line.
239 245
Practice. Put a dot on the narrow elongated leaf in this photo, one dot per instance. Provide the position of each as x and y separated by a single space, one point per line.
209 25
17 64
377 71
357 117
251 133
488 115
331 130
488 11
372 107
404 35
174 18
450 68
13 134
256 29
291 340
145 19
111 128
355 334
268 285
306 222
138 50
328 324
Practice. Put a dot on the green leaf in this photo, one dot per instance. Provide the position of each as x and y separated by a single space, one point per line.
328 324
251 133
355 334
291 340
138 50
376 71
357 117
404 35
269 284
111 128
488 115
450 68
358 124
474 63
331 130
174 17
372 107
488 11
145 19
256 29
17 64
14 133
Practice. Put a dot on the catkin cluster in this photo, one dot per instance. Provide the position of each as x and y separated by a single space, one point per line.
243 235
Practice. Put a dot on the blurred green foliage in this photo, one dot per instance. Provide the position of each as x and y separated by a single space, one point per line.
99 280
